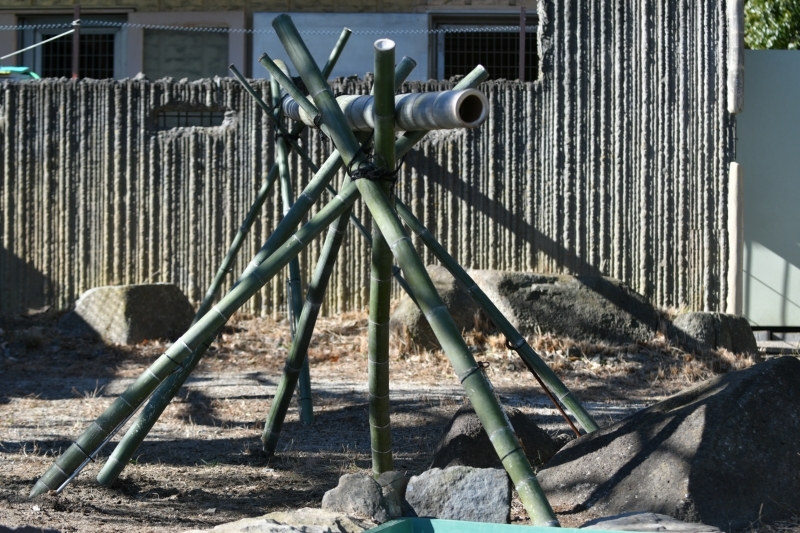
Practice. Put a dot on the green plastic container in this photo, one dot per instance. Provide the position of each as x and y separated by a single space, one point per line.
434 525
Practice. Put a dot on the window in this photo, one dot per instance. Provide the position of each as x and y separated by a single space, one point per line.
96 56
166 118
492 45
101 48
185 54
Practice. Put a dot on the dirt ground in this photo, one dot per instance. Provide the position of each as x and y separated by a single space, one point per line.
202 464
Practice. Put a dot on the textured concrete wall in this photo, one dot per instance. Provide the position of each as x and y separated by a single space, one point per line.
614 162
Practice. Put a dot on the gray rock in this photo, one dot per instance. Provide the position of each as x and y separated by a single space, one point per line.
724 453
360 495
407 318
461 493
707 331
596 309
129 314
305 520
393 487
464 441
647 523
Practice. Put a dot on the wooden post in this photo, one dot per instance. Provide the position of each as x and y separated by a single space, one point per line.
522 41
76 41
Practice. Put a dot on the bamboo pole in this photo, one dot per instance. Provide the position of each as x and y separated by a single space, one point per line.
96 436
295 298
515 340
316 293
225 266
380 288
167 391
92 440
480 392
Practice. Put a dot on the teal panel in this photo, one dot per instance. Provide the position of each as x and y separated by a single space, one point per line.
768 148
431 525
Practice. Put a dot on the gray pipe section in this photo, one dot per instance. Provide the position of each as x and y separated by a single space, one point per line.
444 110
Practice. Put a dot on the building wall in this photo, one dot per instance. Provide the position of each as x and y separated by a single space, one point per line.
614 162
252 6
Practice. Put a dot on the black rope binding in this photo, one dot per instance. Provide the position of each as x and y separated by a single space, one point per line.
368 169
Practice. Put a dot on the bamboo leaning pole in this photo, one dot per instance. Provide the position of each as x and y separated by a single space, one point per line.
515 339
259 272
127 446
380 286
295 300
227 262
320 279
319 283
478 389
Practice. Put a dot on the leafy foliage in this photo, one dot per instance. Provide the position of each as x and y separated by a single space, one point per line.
772 24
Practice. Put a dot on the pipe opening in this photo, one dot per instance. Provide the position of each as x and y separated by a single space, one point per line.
382 45
471 110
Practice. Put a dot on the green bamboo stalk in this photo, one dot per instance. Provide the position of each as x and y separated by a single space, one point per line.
480 392
225 266
281 401
92 440
78 454
475 383
515 338
295 297
316 292
161 398
381 269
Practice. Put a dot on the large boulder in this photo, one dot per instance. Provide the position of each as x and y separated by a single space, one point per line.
590 308
708 331
129 314
408 319
725 453
464 441
461 493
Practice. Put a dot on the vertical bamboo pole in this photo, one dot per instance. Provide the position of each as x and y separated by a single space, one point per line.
295 297
316 293
381 267
480 392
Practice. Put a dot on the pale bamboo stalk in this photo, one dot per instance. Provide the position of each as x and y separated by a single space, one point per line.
475 383
381 269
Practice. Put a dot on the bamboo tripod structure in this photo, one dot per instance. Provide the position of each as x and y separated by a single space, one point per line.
370 177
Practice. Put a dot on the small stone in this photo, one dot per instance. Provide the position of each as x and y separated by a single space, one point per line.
210 510
461 493
360 495
647 523
708 331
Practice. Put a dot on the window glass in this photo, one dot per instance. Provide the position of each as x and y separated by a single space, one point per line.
185 54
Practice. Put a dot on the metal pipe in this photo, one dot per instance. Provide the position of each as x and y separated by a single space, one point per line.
443 110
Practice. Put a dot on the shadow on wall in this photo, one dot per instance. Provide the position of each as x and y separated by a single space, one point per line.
22 285
498 213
